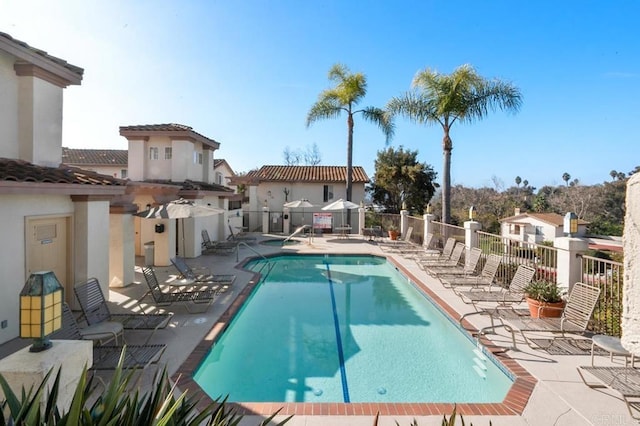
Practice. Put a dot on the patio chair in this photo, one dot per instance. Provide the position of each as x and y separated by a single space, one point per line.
469 267
106 357
452 262
574 320
624 380
485 278
501 297
206 278
186 294
403 242
428 256
96 310
239 237
217 247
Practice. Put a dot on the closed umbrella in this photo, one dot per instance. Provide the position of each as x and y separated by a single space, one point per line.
341 205
179 209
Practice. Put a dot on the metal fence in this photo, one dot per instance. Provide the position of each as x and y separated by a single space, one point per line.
417 235
609 277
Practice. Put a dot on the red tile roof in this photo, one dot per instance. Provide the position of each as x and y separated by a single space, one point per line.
95 157
306 174
190 185
21 171
170 129
70 74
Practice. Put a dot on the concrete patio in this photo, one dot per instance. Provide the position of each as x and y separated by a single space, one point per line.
559 396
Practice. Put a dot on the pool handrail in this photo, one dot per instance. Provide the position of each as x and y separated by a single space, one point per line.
297 231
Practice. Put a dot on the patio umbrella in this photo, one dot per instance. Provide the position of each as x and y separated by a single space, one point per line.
341 205
303 203
179 209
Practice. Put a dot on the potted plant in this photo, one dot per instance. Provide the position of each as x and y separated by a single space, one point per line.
392 230
544 299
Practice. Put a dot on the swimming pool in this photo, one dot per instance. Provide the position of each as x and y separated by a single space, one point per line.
324 328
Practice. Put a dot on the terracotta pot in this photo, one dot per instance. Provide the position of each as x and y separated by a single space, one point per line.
540 309
393 235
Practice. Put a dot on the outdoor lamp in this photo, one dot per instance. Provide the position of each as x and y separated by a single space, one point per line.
40 309
473 213
570 225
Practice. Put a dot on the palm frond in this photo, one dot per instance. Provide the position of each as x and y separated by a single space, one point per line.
381 118
325 108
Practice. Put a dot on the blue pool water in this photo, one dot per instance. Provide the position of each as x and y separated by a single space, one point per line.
323 328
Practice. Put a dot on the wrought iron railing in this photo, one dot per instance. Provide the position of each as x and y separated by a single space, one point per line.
609 277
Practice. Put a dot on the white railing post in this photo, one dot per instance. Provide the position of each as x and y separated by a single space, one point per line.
569 263
404 223
286 221
471 235
265 220
361 220
428 225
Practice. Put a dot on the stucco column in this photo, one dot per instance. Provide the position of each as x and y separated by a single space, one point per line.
265 220
286 221
361 220
24 369
428 218
569 263
121 246
90 233
470 235
404 223
631 286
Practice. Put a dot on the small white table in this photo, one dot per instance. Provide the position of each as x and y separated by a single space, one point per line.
612 345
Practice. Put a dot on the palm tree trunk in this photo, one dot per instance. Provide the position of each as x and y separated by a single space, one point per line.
447 146
349 161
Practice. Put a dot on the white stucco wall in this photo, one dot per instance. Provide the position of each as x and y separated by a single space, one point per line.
8 106
13 211
631 289
160 168
137 164
121 250
46 123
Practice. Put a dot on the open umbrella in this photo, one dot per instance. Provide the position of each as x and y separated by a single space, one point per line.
342 205
179 209
303 203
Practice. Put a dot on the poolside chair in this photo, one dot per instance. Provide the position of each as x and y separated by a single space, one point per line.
96 310
187 294
239 237
106 357
624 380
501 297
403 242
469 267
221 281
217 247
430 256
452 262
485 278
574 320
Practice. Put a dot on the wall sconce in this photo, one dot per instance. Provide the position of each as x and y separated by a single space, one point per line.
40 309
473 213
265 203
570 225
269 194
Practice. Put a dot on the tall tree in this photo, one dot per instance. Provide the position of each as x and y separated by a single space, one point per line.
565 177
444 99
348 91
401 179
518 181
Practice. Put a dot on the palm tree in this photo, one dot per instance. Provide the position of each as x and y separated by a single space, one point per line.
348 92
565 177
518 180
444 99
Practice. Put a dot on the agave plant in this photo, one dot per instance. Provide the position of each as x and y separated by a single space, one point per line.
115 405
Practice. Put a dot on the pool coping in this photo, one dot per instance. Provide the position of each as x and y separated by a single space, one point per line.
514 402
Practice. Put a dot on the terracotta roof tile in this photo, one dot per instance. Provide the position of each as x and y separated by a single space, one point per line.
180 130
95 157
307 174
189 185
22 171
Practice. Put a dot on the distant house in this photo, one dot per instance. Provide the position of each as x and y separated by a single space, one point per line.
171 161
54 218
537 227
111 162
272 186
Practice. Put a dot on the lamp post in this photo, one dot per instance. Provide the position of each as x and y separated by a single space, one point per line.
473 213
40 309
570 225
428 208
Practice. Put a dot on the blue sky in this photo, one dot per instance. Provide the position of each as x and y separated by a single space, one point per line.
246 72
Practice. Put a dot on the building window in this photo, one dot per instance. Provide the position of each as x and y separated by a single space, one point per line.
539 230
197 158
153 153
327 193
123 174
219 178
167 153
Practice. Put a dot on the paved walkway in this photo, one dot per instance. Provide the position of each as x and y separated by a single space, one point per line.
559 396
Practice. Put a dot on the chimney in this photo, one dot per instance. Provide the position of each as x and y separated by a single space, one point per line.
517 211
